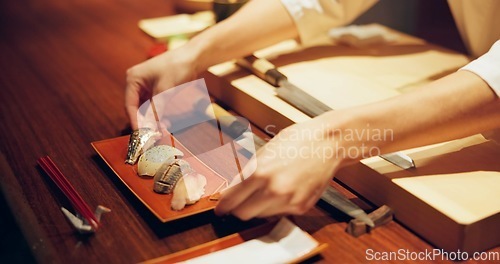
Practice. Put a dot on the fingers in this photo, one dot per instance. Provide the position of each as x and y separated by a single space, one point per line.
255 199
132 115
234 196
310 201
254 206
138 91
261 203
132 99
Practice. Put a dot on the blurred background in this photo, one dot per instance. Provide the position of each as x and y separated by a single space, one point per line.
427 19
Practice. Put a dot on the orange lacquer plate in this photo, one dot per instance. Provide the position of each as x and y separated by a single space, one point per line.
113 152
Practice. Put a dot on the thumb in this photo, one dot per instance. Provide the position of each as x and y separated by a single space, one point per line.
132 103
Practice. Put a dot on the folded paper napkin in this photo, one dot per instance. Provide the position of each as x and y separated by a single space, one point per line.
285 243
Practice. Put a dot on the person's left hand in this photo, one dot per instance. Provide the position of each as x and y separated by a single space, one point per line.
156 75
293 170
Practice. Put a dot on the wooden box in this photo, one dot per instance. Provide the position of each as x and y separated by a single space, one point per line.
433 200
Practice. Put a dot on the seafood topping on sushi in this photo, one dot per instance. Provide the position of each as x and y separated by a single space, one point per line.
140 141
188 190
178 177
172 175
169 174
155 157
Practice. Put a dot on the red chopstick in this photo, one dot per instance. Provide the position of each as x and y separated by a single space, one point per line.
62 182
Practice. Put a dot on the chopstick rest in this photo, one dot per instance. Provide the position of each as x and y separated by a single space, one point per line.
85 221
381 216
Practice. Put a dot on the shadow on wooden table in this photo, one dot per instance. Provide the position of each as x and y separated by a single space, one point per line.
13 245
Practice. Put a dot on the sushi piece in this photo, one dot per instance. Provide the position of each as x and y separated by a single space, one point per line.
169 174
155 157
179 178
140 141
189 190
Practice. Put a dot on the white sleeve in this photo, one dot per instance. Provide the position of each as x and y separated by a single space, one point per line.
314 18
488 67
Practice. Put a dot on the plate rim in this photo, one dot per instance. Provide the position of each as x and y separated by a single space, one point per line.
162 219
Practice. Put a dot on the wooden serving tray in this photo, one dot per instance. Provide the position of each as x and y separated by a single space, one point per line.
113 152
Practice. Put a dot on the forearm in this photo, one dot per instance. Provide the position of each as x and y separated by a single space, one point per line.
455 106
258 24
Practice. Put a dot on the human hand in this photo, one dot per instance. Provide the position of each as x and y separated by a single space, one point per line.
293 170
156 75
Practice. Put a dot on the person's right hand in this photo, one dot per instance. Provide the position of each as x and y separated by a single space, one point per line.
156 75
293 170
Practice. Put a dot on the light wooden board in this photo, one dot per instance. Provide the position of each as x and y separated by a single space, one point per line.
430 200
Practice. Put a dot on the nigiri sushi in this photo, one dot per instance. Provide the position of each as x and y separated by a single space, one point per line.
188 190
178 177
140 141
151 160
169 174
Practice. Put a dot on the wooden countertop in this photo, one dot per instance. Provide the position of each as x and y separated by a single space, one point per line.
62 79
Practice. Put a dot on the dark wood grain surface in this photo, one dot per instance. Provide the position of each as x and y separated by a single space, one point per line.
62 77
